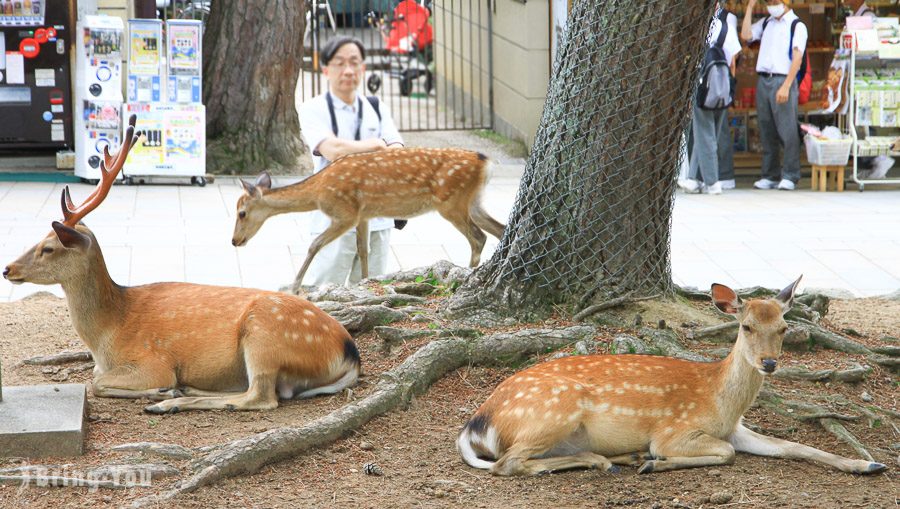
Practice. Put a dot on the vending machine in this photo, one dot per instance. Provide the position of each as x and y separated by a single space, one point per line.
98 92
35 99
145 45
183 44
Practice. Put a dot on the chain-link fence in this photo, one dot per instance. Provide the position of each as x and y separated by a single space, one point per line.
593 215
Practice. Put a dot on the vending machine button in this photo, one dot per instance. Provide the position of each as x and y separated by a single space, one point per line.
94 161
40 35
56 96
47 116
95 90
51 32
104 73
29 47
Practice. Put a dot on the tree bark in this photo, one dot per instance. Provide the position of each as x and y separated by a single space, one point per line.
252 51
591 222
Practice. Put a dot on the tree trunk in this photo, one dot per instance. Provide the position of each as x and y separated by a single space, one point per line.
592 219
252 50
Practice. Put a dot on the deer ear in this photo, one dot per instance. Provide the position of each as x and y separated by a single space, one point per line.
264 181
725 299
786 296
70 237
250 188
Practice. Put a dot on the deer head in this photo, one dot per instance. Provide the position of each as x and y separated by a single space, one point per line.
250 215
71 250
762 324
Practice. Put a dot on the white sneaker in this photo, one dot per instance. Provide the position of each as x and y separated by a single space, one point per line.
765 184
713 189
727 184
786 185
690 185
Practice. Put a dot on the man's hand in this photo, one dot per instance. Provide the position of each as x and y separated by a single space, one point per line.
783 93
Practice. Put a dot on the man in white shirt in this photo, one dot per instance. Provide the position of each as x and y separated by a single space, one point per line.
709 126
859 8
777 64
337 123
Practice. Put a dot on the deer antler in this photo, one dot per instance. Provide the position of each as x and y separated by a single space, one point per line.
109 169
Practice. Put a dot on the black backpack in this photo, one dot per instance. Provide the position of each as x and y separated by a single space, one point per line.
802 72
716 90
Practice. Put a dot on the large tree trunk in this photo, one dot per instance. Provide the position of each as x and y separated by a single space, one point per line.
252 50
594 209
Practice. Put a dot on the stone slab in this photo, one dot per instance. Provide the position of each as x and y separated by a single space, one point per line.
43 420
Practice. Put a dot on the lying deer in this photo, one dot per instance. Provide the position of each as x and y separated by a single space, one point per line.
398 183
598 411
205 347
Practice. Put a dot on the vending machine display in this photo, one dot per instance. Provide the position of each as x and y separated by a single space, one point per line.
183 38
98 91
145 44
35 102
174 141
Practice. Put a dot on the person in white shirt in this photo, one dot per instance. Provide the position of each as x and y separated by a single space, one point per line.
709 126
777 64
337 123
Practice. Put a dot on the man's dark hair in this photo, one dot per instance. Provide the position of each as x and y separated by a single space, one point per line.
332 46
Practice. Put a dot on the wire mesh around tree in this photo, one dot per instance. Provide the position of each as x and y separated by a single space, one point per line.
593 214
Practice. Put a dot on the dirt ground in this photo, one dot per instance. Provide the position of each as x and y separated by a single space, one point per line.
415 447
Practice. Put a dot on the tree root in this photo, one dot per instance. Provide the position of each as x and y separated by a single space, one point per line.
837 429
173 451
68 482
724 331
60 358
396 387
852 375
612 303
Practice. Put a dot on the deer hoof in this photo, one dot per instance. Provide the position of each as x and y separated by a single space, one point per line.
171 393
875 468
647 467
614 469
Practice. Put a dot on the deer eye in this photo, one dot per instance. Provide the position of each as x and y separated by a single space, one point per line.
46 250
747 328
242 214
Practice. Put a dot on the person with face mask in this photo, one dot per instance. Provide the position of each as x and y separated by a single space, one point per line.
335 124
777 63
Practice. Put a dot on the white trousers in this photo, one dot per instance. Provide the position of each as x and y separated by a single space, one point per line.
337 261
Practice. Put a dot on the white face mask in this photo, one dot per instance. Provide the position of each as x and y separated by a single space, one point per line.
775 10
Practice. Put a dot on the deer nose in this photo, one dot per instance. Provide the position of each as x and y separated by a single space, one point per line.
5 272
768 365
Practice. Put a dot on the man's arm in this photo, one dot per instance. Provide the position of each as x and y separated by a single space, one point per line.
333 147
746 31
783 93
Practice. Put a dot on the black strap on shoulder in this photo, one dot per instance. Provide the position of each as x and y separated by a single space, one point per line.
359 113
723 29
765 23
373 100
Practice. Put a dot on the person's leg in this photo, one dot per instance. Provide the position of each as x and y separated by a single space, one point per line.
333 262
705 145
379 251
725 151
768 133
785 116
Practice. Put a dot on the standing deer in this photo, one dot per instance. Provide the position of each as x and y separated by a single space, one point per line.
598 411
398 183
228 348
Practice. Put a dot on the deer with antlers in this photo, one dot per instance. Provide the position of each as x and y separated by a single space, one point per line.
399 183
658 413
187 346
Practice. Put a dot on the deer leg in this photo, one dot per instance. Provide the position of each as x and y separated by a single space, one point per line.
128 382
193 391
464 223
634 459
362 246
259 396
485 221
745 440
520 460
335 230
696 449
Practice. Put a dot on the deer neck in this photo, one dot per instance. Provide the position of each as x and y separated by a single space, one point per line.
96 303
299 197
740 385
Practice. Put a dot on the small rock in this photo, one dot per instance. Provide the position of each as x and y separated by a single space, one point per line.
366 446
715 472
50 370
585 347
638 320
865 396
106 498
353 470
372 469
559 355
721 497
440 493
661 325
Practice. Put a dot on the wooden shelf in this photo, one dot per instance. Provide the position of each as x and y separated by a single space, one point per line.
803 108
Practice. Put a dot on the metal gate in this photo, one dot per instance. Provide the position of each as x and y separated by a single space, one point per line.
429 62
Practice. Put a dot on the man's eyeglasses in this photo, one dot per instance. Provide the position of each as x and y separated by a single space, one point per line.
340 64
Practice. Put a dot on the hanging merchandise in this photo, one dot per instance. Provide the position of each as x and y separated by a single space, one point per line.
98 92
183 43
144 60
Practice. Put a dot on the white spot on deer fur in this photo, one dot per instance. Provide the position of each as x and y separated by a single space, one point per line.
519 411
574 417
626 385
519 395
309 338
668 430
305 322
295 336
547 414
309 312
279 318
274 309
684 415
691 405
578 387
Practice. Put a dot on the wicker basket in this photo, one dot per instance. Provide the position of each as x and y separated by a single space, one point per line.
828 152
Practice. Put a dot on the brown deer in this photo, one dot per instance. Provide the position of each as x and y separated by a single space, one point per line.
598 411
205 347
398 183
